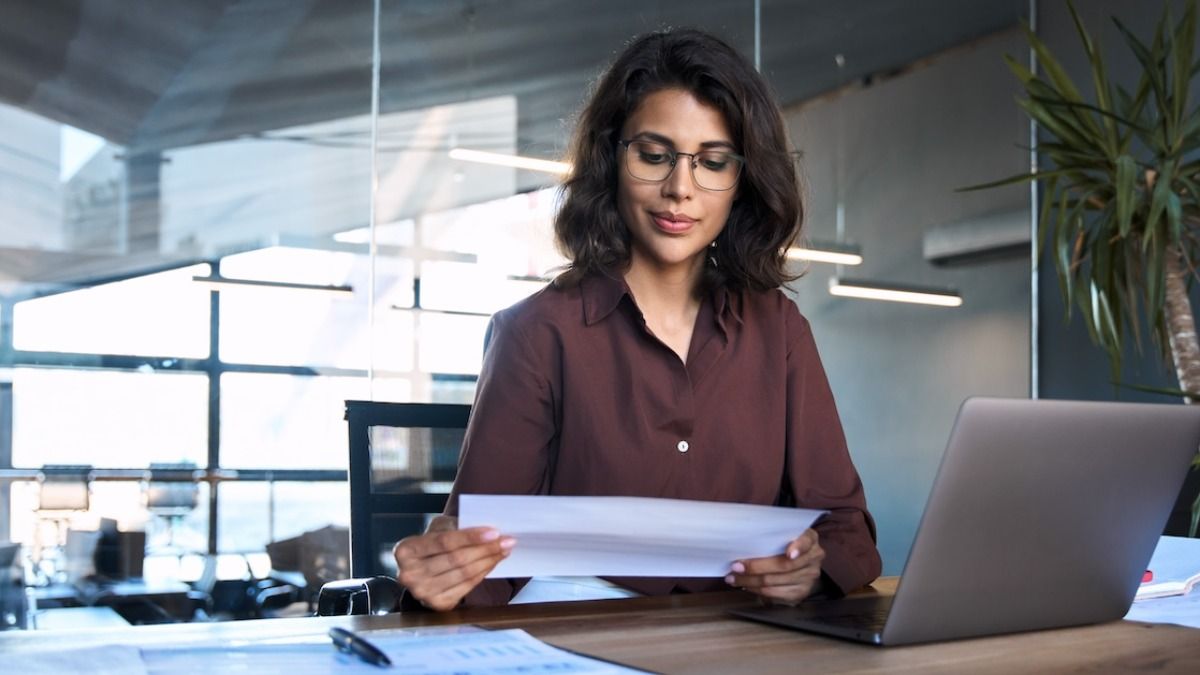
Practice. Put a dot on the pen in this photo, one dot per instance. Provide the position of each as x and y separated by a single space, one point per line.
352 643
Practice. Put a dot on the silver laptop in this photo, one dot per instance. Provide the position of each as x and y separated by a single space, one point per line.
1043 514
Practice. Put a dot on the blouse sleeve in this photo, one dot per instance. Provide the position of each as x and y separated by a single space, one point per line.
819 470
507 447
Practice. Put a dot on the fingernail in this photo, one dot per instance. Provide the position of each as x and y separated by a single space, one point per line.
738 567
507 543
490 535
793 554
729 579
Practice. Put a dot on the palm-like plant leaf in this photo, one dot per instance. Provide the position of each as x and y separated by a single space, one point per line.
1120 210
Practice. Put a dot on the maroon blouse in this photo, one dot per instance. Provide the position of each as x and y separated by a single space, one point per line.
578 397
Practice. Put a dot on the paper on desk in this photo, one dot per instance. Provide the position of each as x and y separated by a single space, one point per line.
108 659
631 536
446 652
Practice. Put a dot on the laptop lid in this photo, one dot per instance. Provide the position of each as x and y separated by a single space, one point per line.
1043 514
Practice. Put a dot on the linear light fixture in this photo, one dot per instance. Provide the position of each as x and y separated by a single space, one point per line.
827 252
224 283
515 161
873 290
451 312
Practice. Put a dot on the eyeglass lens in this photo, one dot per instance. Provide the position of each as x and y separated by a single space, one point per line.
711 169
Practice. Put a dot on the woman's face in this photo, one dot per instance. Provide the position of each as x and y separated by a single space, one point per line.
672 222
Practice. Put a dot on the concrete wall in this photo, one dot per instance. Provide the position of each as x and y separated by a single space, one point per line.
900 372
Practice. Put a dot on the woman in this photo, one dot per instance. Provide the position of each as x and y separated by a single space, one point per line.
664 362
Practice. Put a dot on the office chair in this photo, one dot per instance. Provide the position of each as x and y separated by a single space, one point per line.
64 491
170 500
403 457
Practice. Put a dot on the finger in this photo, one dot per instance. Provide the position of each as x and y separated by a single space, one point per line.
756 581
776 571
802 544
415 571
451 596
444 591
443 524
788 595
466 557
435 543
781 563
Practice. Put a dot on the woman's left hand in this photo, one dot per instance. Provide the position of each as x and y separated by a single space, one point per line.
786 578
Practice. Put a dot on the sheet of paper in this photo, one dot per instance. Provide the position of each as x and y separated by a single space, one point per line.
1175 565
449 652
1175 558
108 660
631 536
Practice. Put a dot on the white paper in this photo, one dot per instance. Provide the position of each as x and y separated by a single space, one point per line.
446 652
1175 566
106 660
631 536
1175 558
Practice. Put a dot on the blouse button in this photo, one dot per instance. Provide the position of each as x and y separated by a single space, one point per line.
682 446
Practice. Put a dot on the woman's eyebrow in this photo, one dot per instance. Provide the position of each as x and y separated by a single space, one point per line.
659 138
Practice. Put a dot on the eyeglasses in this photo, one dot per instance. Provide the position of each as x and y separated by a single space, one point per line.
654 162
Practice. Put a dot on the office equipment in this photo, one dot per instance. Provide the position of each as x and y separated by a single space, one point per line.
403 457
170 500
679 634
1043 514
119 554
63 492
351 643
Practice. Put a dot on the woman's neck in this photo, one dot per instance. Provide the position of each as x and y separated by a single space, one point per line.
665 290
669 301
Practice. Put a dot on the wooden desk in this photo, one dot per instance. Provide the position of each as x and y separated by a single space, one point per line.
692 634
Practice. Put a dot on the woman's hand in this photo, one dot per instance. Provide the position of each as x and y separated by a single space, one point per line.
441 566
786 578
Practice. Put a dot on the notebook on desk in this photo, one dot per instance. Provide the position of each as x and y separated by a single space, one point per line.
1043 514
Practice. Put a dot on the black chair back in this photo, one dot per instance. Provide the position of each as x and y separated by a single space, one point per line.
403 458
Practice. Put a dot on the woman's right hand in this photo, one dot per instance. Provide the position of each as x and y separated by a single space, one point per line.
441 566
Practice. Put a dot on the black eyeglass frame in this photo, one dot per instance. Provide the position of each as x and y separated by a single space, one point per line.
674 154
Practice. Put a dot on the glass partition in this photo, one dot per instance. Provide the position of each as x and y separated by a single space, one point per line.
216 225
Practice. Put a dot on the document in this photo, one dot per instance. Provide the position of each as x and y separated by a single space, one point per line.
448 652
1175 567
105 660
631 536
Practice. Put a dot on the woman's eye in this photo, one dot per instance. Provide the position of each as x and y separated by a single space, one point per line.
653 157
715 163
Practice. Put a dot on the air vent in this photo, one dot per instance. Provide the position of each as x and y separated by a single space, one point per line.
994 236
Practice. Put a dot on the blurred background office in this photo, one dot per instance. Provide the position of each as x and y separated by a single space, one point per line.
221 219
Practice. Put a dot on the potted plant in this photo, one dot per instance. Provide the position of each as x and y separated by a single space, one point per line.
1120 208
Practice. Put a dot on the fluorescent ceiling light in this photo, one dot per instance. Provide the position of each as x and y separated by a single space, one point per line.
452 312
872 290
515 161
837 254
225 283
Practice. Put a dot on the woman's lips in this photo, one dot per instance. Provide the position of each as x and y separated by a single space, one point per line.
673 224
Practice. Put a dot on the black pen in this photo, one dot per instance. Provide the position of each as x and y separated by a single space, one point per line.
352 643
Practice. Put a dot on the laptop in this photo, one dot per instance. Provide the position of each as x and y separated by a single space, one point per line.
1043 514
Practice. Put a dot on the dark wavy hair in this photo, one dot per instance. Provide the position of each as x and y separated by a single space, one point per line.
768 212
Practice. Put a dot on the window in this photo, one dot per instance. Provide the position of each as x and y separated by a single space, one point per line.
291 421
108 418
162 314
